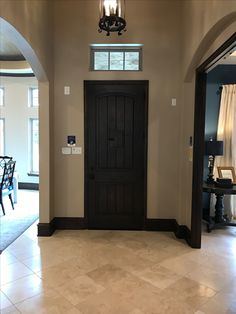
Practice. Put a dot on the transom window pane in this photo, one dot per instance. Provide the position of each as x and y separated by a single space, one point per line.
132 60
1 96
116 61
101 60
114 58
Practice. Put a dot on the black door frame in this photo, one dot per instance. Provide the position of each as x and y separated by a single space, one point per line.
199 132
145 83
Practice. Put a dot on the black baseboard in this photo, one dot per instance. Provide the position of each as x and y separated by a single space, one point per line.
46 229
183 232
160 225
78 223
61 223
180 231
70 223
28 186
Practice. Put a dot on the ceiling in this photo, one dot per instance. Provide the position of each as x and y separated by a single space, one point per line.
12 62
8 51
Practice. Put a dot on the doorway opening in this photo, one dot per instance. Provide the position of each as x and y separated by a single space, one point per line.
19 104
199 135
19 43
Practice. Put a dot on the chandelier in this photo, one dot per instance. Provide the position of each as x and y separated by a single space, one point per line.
112 16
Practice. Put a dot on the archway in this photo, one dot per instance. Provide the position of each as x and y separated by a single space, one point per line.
206 43
44 143
199 114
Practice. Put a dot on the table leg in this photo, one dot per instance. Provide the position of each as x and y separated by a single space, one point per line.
219 208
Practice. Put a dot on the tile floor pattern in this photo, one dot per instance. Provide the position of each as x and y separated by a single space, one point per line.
119 272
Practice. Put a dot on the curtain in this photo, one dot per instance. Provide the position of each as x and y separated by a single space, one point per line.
227 132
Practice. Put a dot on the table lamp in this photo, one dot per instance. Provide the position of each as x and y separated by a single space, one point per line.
213 148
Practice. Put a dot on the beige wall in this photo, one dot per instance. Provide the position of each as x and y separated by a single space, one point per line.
172 32
32 19
27 23
203 22
156 25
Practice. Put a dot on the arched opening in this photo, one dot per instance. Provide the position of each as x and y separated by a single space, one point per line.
206 43
44 139
199 114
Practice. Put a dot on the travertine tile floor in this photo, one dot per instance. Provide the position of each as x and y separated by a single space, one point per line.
119 272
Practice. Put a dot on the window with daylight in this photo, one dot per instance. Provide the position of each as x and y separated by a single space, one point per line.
2 137
34 146
1 96
116 57
33 97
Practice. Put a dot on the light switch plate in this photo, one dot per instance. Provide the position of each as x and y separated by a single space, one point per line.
66 150
76 150
66 90
190 153
173 102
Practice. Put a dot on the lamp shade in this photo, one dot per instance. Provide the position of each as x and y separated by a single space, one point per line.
214 148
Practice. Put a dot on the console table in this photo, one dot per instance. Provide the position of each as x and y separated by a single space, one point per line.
220 219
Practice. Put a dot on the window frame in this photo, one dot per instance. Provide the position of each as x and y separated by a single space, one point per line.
2 153
112 48
3 96
32 172
30 97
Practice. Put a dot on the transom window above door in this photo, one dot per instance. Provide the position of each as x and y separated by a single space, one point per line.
116 57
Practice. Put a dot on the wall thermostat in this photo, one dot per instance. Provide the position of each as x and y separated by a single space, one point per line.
71 140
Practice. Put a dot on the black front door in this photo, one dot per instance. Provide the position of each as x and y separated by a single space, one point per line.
115 153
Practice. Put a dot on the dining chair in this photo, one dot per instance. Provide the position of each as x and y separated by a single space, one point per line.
6 185
3 161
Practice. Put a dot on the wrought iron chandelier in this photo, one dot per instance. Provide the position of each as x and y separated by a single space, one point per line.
112 16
